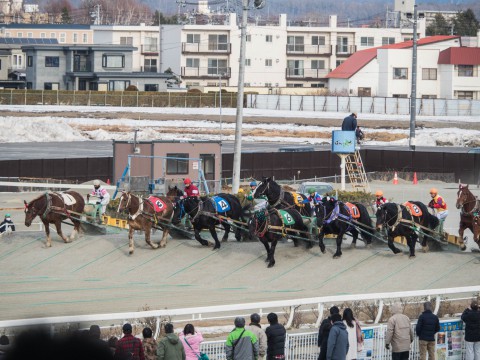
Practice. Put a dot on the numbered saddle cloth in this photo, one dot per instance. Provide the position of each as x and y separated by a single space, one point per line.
298 199
221 205
158 204
353 209
413 209
286 218
68 199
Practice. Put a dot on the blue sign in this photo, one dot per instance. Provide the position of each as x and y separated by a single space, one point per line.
343 142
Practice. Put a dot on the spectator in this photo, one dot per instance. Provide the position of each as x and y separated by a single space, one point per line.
170 347
355 339
399 334
323 332
112 343
427 326
276 335
129 346
241 343
471 317
7 226
149 344
359 134
337 347
350 122
4 346
191 341
256 328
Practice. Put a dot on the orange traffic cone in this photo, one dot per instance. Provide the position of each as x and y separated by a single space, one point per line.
395 179
415 181
108 181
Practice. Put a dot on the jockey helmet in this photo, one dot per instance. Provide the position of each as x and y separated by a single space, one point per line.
253 183
241 191
187 181
433 191
7 215
379 193
96 182
311 191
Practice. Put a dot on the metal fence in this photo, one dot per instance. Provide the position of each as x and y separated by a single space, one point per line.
372 105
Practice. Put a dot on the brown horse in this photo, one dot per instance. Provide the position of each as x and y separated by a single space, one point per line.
52 208
469 213
145 214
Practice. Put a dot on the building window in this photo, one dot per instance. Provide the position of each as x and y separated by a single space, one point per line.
75 38
30 35
342 45
29 61
50 86
85 38
318 40
151 87
29 85
248 62
318 64
150 44
177 166
126 40
320 85
118 85
53 35
295 43
63 38
364 91
400 73
246 84
193 63
268 62
269 85
339 62
429 74
43 35
193 38
295 67
464 95
113 61
249 38
403 96
217 66
150 65
52 61
366 41
217 42
388 40
268 38
429 96
465 70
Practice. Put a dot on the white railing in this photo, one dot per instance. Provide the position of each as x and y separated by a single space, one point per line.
231 311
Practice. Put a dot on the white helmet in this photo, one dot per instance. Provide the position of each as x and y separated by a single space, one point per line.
96 182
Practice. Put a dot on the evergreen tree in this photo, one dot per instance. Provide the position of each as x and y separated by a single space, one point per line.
164 19
66 18
439 26
466 24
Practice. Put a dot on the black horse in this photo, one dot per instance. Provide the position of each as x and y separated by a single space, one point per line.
281 199
335 217
206 213
269 226
400 220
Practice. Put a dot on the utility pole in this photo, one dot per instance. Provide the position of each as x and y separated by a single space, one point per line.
413 96
159 67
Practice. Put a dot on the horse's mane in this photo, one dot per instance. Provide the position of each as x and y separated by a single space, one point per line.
37 198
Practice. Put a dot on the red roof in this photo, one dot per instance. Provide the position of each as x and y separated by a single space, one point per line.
361 58
460 56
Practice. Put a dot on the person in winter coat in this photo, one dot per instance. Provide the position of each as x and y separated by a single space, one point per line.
191 341
129 345
355 339
7 226
337 346
149 344
350 122
471 318
427 326
256 328
170 347
276 335
399 334
323 332
241 343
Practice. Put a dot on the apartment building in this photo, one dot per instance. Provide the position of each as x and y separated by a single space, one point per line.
64 33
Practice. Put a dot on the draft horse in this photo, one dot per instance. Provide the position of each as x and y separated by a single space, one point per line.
281 199
469 213
53 208
145 214
338 218
206 213
400 220
268 225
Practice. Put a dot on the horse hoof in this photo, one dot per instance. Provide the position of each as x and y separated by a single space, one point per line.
336 256
48 245
154 246
425 249
369 246
130 251
353 246
225 239
270 265
399 253
411 257
463 248
216 247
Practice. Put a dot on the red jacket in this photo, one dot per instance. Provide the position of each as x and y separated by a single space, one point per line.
191 190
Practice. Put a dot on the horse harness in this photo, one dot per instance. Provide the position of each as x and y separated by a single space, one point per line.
50 208
152 217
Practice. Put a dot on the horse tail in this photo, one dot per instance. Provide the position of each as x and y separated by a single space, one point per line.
366 220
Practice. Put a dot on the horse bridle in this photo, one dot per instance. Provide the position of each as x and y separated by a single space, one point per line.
461 194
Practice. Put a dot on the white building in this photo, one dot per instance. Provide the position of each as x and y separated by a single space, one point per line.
445 70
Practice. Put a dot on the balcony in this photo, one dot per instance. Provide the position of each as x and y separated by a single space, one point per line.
215 48
150 69
206 73
345 50
305 74
82 66
309 49
150 49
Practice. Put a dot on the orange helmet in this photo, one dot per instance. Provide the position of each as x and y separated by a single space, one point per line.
434 191
187 181
379 193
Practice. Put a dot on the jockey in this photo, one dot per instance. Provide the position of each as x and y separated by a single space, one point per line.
190 189
380 199
102 195
330 198
253 186
438 204
313 198
7 225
